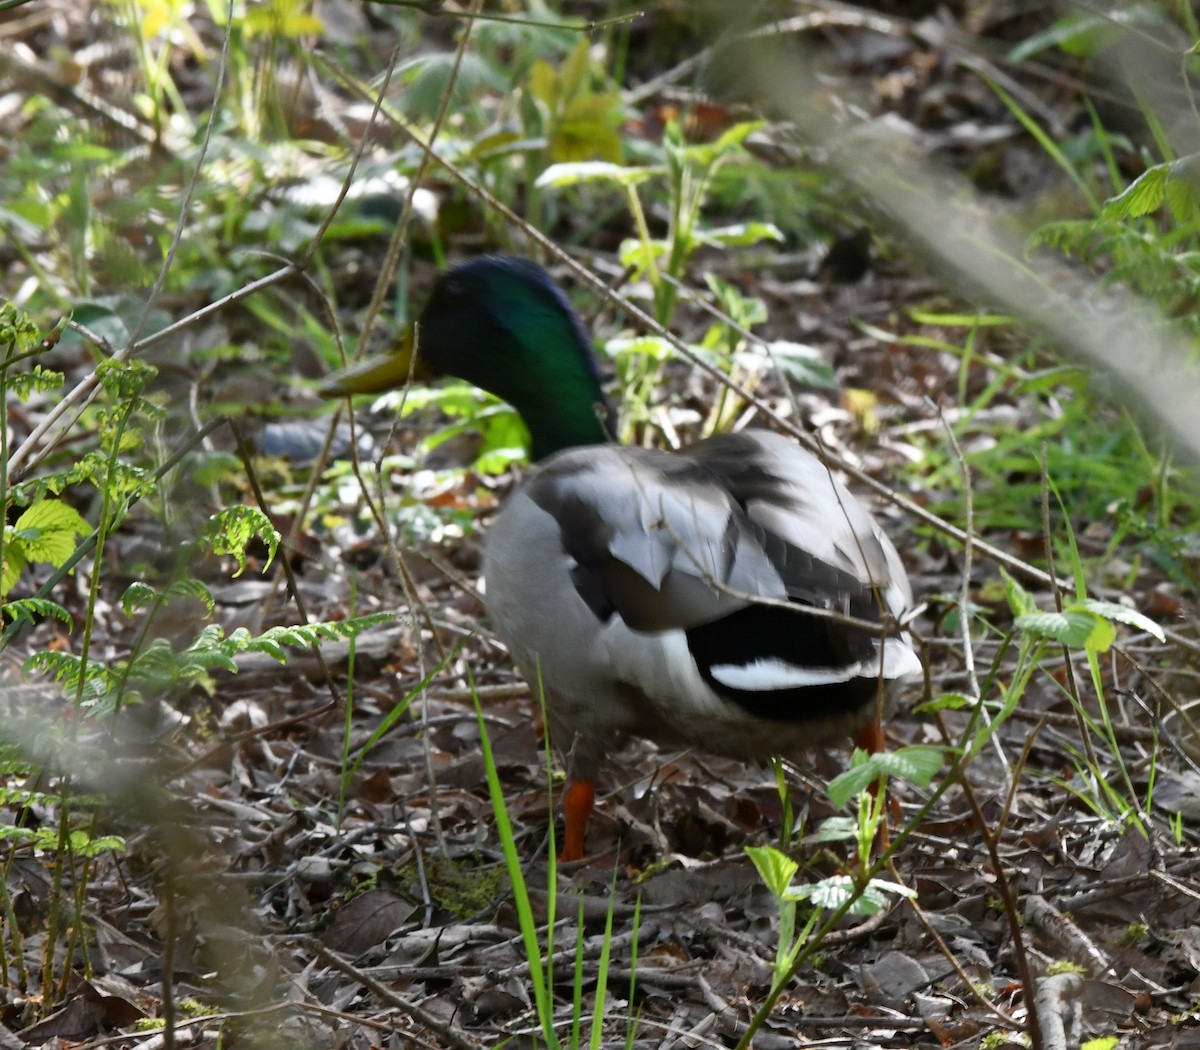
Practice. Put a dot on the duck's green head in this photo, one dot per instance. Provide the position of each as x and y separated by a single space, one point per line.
501 323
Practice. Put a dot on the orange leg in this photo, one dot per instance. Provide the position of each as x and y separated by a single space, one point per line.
578 800
870 738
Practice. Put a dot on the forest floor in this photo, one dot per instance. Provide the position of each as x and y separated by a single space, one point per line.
264 895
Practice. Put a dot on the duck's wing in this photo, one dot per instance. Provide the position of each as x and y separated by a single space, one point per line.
798 504
696 541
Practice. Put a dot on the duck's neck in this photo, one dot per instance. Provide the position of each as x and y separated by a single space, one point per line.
558 396
510 330
559 424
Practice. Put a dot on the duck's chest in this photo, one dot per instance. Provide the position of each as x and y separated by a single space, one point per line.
529 591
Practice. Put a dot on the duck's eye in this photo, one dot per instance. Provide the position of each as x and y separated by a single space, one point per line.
446 298
455 294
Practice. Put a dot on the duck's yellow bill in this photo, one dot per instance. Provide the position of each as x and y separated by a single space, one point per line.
373 375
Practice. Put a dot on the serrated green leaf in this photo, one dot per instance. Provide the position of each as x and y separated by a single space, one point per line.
195 589
832 893
1075 627
829 893
84 845
271 648
37 380
1144 195
49 530
797 361
137 595
851 783
1183 198
230 531
837 829
13 565
53 516
918 764
29 609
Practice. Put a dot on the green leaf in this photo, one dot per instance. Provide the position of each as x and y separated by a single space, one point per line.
230 531
797 361
496 461
84 845
137 595
646 346
1121 614
1144 195
832 893
48 531
837 829
1182 201
501 144
543 84
945 702
639 257
570 173
14 563
705 154
38 380
582 140
1074 627
917 764
1020 601
28 609
1183 188
1073 377
285 18
737 134
740 235
851 783
775 869
430 79
574 69
1074 34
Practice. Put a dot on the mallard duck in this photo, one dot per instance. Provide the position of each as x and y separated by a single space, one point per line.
697 597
